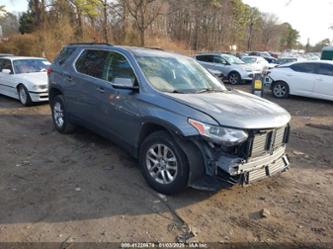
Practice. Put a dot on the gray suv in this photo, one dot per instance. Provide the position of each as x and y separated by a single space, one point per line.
180 122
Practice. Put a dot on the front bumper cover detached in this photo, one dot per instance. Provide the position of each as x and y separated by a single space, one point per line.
232 170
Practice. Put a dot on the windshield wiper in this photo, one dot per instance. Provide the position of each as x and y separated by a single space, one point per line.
206 90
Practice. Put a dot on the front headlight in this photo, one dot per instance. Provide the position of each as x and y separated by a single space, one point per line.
220 135
40 87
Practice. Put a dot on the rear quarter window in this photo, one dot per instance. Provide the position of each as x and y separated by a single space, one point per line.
64 54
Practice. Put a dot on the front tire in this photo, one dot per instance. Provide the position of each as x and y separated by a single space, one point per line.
280 90
234 78
163 163
60 117
24 95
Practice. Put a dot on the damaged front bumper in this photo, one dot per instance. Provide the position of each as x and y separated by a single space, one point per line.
255 168
227 170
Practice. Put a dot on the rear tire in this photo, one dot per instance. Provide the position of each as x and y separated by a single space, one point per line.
24 95
163 163
60 116
280 90
234 78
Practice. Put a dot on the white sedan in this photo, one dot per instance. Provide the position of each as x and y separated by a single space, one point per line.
310 79
258 63
24 78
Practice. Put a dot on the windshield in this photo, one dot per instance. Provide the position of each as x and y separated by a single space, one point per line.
232 59
249 60
30 65
178 75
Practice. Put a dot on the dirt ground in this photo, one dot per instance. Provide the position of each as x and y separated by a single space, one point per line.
81 187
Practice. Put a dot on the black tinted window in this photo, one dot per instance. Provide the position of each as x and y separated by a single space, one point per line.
6 64
118 67
304 67
325 69
64 54
219 59
92 62
206 58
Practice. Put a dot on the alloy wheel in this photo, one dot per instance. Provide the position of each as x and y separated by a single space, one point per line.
58 114
23 95
280 90
161 163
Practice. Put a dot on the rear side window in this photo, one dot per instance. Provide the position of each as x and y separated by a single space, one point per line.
206 58
64 54
92 62
304 67
325 69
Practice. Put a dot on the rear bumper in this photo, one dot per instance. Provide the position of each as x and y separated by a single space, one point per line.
39 96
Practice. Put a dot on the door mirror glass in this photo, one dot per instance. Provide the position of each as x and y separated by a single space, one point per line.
7 71
125 83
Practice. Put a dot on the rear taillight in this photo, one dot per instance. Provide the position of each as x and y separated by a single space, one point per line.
49 71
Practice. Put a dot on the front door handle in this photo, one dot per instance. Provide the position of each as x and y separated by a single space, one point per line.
100 89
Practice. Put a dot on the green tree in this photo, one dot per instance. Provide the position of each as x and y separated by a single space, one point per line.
26 23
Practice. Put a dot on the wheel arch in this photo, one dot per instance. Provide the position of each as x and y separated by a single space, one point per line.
53 92
192 152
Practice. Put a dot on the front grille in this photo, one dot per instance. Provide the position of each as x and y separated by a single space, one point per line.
266 141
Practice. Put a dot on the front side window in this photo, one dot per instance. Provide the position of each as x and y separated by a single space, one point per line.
104 65
219 59
118 67
31 65
205 58
177 74
325 69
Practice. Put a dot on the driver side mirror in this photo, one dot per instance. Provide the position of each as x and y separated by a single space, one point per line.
125 83
7 71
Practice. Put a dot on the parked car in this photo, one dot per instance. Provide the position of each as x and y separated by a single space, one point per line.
233 68
310 79
286 60
327 53
267 56
24 78
258 63
178 120
5 55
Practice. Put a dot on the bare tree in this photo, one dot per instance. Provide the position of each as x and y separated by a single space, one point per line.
144 13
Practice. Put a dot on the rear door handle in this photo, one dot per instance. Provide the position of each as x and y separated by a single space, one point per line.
100 89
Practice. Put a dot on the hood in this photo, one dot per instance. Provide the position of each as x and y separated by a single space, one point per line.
236 109
38 78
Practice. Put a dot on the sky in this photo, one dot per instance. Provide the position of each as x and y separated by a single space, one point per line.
312 18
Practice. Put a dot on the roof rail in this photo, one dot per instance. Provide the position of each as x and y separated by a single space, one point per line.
91 43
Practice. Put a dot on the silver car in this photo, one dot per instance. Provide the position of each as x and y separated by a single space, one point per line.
234 69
